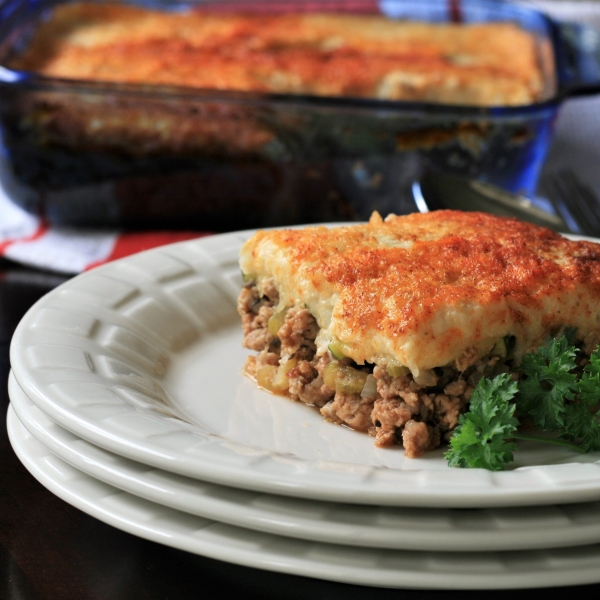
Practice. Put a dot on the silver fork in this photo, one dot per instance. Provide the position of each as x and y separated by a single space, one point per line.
574 201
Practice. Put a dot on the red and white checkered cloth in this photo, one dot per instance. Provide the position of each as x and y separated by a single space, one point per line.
28 240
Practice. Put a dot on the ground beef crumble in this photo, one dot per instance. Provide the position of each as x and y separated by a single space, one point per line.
401 411
351 410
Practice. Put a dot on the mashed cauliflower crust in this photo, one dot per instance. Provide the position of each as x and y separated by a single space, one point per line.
387 327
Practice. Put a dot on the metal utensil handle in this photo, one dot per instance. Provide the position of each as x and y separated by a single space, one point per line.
578 59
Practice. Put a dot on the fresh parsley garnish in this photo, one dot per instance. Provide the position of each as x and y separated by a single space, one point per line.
580 418
560 398
589 384
548 382
479 440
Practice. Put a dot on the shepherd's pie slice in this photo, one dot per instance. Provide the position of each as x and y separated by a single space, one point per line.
386 327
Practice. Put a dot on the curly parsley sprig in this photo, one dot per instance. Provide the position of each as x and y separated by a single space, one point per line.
550 392
479 440
548 382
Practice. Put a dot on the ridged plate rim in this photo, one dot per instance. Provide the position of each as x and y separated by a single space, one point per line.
349 565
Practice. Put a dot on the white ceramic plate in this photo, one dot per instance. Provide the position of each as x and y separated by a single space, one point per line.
143 357
519 528
363 566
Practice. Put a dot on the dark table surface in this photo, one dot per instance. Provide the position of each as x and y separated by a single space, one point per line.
50 550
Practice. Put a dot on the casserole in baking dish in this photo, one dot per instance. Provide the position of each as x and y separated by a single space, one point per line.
91 140
319 54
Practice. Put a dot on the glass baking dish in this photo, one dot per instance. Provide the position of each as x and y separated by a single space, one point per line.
232 160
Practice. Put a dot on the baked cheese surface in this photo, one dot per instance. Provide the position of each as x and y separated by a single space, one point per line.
429 290
483 64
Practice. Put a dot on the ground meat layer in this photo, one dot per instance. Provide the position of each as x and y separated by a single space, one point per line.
396 410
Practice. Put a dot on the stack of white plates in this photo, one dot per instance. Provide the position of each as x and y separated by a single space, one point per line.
128 401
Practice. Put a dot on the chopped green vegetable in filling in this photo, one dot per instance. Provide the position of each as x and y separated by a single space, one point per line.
337 350
344 379
395 369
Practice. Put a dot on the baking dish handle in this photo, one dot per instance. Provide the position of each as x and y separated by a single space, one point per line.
578 59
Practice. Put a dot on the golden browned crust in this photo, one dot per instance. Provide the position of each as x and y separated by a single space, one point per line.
434 289
320 54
